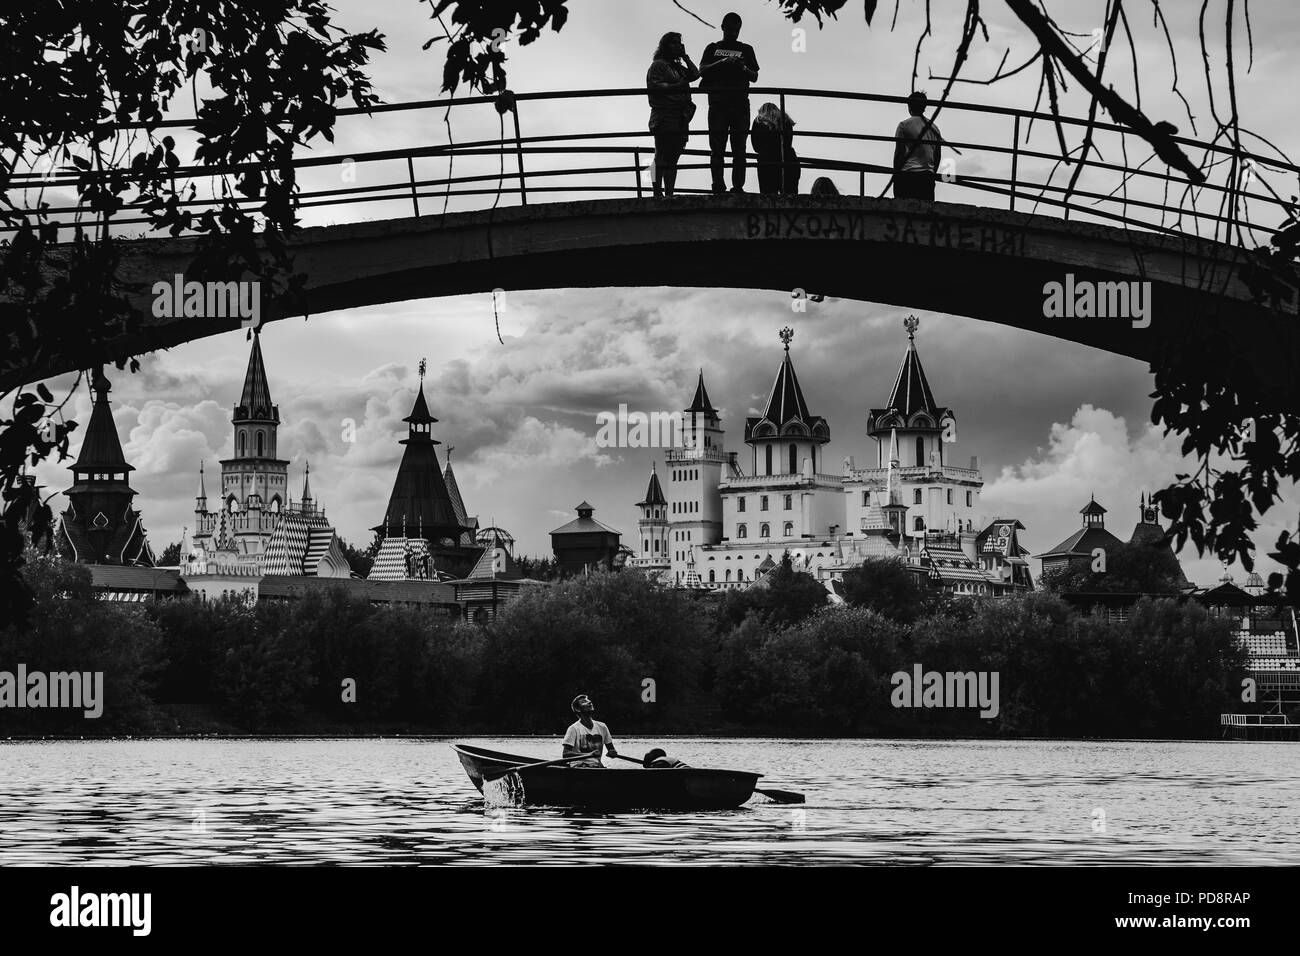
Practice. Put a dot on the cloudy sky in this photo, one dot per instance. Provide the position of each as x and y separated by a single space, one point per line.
1052 422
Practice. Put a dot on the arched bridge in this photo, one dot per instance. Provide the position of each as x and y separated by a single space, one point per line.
1123 259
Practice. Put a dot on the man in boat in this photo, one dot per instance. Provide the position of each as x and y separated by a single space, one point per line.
656 759
587 735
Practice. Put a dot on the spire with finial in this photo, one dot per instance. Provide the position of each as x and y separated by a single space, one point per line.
423 365
307 504
201 499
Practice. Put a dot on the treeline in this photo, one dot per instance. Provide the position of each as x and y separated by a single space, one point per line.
775 659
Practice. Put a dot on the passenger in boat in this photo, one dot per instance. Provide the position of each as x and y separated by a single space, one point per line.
586 735
657 759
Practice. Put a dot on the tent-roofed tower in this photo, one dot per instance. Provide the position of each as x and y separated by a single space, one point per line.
1079 548
911 412
254 488
420 505
1150 533
584 544
911 433
692 473
468 539
421 535
787 434
653 526
100 525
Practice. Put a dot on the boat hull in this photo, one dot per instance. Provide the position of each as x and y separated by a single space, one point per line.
688 788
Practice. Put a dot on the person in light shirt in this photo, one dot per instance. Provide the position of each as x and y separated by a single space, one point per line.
917 152
586 735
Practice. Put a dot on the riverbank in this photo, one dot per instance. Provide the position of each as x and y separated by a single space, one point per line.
776 661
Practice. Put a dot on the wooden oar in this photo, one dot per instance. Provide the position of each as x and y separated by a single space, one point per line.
491 775
780 796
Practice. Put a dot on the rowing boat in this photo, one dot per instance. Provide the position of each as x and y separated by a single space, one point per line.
590 788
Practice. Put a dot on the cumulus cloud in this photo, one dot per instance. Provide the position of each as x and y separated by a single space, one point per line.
1096 453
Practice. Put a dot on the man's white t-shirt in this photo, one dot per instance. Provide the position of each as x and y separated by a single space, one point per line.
597 738
921 157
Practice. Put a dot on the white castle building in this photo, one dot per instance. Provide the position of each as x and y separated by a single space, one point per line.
257 526
725 519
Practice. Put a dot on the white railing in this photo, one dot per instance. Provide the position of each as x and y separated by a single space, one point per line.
756 481
1255 720
914 471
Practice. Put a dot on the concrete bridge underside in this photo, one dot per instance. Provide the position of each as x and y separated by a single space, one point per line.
966 260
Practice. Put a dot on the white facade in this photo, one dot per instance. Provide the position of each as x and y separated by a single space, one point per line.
730 525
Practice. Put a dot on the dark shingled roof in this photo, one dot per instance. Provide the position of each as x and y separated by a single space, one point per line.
654 493
584 523
701 401
420 502
910 395
787 411
1082 543
255 399
101 450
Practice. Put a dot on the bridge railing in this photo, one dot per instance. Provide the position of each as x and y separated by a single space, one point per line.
461 154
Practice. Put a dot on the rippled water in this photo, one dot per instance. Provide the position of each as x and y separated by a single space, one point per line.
407 801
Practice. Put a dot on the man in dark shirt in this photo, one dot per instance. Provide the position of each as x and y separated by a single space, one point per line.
728 63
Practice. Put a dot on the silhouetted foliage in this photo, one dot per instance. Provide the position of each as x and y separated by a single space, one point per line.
1131 567
361 561
886 586
653 658
785 597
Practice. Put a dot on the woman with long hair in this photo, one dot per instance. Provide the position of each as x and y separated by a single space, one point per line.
773 137
668 88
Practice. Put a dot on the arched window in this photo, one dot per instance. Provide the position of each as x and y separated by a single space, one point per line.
740 574
769 459
794 458
920 450
789 529
727 575
742 531
765 530
275 505
918 524
259 444
711 577
243 444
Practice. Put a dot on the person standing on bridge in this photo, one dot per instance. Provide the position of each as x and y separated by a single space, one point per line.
917 149
668 86
727 67
778 163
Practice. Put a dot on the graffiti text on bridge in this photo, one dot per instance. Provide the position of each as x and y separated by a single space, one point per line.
910 230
